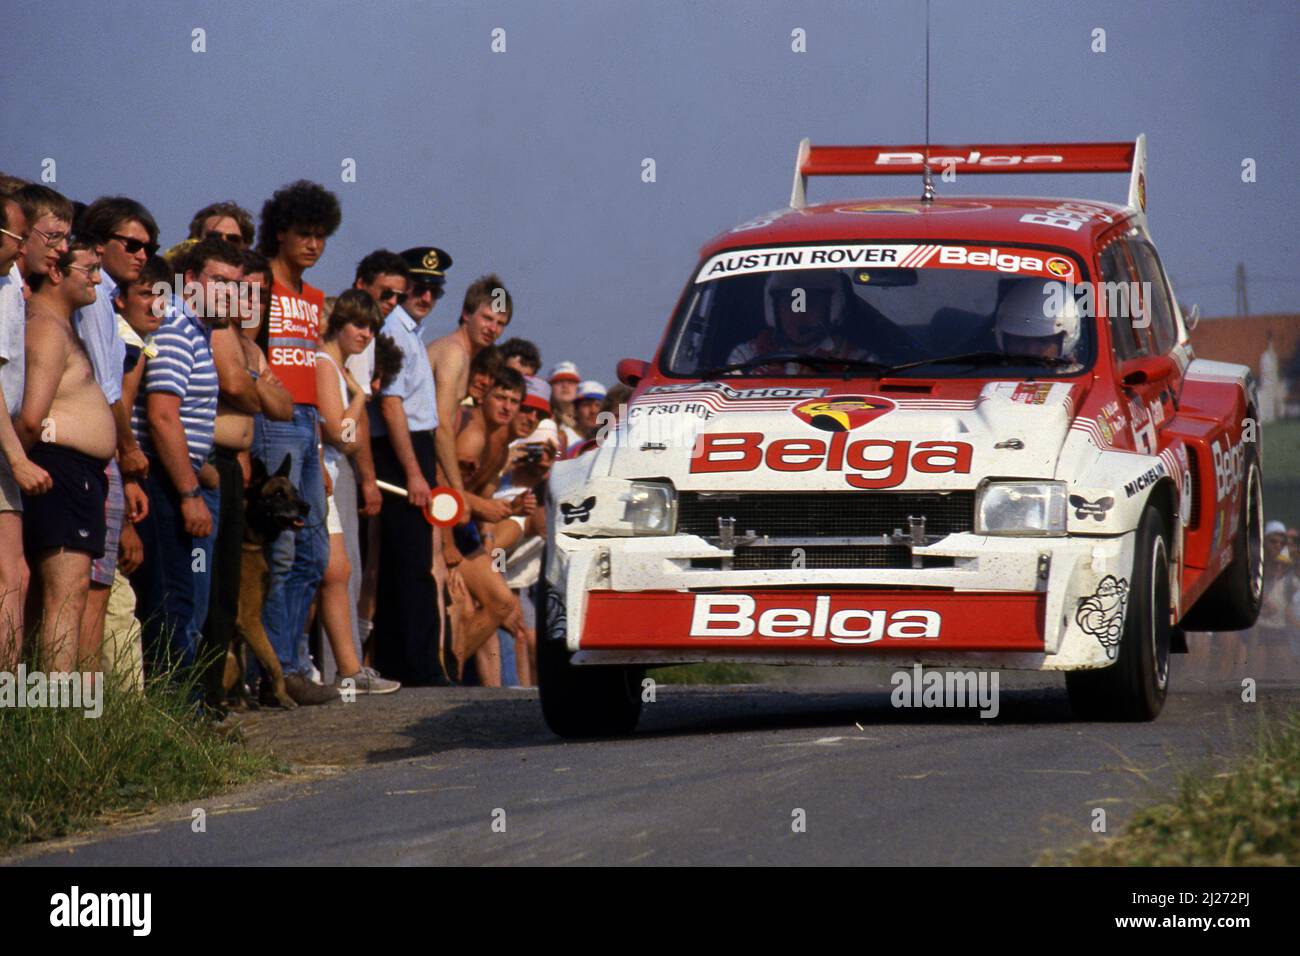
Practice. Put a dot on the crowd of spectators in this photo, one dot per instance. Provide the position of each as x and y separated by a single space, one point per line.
146 394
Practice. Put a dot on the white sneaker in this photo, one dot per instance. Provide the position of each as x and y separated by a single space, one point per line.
367 681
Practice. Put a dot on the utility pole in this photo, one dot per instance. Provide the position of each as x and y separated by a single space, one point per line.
1243 302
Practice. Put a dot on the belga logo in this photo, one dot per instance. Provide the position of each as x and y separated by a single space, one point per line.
842 413
738 615
1229 466
870 462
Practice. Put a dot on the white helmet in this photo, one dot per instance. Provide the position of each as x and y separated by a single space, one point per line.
827 279
1039 310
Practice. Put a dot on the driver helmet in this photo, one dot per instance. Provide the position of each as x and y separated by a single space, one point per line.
1035 310
787 282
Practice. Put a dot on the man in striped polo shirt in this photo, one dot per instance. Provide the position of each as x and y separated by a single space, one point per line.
173 421
296 221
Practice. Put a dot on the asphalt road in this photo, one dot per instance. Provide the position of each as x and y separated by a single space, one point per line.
713 776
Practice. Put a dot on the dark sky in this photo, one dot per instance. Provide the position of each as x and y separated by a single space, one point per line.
528 162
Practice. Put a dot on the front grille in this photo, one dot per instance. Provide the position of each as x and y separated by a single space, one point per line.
831 558
810 514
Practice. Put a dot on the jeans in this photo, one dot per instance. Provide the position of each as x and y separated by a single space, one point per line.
173 582
297 559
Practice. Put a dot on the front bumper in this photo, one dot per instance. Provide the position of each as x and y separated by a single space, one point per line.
1002 602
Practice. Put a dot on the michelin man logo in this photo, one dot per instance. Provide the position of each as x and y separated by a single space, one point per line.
1102 614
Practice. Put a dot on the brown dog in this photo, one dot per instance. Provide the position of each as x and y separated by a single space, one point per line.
271 505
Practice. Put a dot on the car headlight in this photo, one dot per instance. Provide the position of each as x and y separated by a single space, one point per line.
1021 508
651 508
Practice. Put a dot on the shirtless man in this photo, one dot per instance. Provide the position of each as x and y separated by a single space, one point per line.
483 450
480 325
68 429
482 446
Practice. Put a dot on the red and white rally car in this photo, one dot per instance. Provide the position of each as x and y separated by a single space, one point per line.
954 432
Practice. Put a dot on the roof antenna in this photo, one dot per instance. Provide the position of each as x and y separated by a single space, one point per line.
927 182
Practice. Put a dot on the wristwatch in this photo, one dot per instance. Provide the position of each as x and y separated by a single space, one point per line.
194 492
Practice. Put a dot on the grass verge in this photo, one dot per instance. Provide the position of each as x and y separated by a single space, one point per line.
707 673
62 771
1247 815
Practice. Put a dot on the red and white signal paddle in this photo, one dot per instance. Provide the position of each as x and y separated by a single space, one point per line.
445 504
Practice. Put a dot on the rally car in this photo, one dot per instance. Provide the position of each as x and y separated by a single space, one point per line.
950 432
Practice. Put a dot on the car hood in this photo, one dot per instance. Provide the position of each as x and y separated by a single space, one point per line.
717 437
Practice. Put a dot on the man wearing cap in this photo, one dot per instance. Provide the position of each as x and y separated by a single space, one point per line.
484 315
408 627
586 410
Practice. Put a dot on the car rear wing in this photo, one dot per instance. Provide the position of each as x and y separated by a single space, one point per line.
981 158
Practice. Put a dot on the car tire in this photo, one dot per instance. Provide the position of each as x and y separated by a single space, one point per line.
1134 688
1233 601
588 701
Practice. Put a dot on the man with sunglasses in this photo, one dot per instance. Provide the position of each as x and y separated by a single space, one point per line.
384 275
224 220
126 235
296 223
67 428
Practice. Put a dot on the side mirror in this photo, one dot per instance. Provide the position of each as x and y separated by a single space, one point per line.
630 371
1193 318
1148 368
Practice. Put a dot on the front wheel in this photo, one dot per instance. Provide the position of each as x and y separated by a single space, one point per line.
1135 686
591 701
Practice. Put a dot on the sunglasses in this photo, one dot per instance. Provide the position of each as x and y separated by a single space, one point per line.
390 294
234 238
421 289
132 246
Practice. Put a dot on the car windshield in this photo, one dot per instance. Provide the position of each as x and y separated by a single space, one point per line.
919 310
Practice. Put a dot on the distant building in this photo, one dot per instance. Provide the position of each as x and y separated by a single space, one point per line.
1269 344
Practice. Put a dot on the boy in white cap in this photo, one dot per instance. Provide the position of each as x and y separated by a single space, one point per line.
586 409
